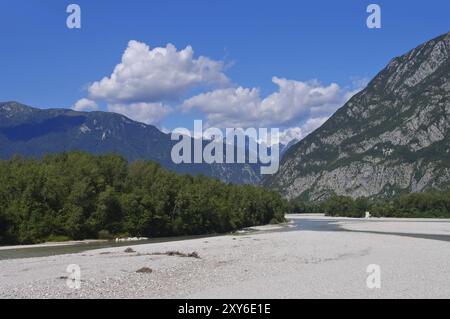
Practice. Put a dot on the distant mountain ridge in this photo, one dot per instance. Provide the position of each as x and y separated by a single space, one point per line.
392 137
34 132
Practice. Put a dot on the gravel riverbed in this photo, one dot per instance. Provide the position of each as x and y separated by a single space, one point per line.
311 257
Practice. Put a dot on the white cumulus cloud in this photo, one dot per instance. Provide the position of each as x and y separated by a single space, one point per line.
297 108
300 132
152 75
85 105
149 113
294 102
149 83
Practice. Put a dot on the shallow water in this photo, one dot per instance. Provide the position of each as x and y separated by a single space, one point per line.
312 224
332 225
15 253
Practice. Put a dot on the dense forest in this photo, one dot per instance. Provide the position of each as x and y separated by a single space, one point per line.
419 205
77 196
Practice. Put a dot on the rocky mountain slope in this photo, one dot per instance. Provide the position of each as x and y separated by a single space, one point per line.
35 132
394 136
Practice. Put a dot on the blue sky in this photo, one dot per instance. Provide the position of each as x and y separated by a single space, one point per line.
307 45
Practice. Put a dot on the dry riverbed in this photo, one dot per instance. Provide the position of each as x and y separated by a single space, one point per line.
311 257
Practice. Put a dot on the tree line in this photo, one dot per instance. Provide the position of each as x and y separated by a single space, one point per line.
412 205
77 196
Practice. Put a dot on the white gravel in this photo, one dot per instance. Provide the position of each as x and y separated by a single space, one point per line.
291 263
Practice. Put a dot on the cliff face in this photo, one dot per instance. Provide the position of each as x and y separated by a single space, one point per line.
391 137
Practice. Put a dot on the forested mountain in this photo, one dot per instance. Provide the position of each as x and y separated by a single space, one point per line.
34 132
393 137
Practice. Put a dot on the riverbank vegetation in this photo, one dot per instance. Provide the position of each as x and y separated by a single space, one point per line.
413 205
78 196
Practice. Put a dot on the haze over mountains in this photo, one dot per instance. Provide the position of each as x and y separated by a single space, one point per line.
392 137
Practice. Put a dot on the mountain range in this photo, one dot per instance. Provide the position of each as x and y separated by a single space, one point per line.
33 132
390 138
